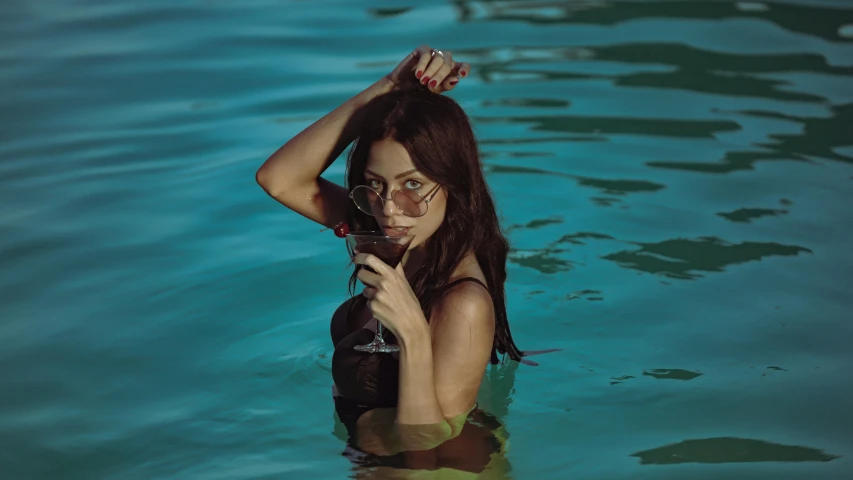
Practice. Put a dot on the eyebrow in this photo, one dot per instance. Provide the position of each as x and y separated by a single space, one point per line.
408 172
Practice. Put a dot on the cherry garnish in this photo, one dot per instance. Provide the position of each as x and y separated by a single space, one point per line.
341 230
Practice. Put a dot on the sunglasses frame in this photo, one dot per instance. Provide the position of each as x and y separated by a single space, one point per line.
426 199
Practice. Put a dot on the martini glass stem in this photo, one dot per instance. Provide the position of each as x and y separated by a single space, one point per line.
378 344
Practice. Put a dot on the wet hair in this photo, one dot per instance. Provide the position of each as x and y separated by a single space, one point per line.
438 136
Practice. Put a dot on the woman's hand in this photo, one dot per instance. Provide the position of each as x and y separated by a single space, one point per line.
390 298
439 73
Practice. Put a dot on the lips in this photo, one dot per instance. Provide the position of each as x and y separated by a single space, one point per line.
395 231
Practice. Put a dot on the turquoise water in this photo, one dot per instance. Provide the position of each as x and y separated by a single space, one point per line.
676 179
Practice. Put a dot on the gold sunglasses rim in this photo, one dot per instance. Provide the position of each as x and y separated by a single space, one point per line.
425 198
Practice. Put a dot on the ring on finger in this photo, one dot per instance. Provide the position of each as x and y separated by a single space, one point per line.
437 52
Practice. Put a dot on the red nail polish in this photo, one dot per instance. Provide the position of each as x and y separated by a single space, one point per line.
425 80
420 72
463 73
432 84
454 82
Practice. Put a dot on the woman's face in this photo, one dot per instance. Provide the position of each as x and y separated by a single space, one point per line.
390 168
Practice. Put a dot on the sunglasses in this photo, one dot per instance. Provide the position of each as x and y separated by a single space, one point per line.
410 202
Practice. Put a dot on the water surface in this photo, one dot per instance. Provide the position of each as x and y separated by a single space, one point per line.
675 177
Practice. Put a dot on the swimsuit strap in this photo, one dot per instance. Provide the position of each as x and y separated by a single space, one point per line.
464 279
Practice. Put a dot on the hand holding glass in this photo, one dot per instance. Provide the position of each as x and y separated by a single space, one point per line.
390 250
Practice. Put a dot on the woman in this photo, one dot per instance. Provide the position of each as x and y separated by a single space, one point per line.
444 304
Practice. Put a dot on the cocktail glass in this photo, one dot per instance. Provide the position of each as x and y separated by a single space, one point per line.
390 250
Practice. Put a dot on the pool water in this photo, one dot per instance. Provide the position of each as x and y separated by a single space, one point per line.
675 178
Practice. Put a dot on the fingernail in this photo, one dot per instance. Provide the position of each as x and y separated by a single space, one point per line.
454 82
420 72
425 80
463 73
432 84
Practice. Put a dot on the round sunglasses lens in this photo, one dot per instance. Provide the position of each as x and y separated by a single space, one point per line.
411 203
367 200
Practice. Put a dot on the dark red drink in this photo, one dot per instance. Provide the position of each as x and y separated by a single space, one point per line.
390 253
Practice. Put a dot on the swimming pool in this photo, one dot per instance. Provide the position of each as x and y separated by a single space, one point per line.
676 180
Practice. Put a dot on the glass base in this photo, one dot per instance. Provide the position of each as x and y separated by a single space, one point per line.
377 347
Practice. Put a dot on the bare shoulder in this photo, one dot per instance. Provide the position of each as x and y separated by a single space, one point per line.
466 305
462 326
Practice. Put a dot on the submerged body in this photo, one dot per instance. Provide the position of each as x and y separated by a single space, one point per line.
365 397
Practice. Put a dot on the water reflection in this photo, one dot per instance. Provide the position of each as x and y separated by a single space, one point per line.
388 12
602 125
678 258
820 137
681 258
620 187
671 374
533 224
730 450
620 379
606 186
541 260
746 215
669 66
527 102
606 201
731 162
823 22
716 72
591 295
575 238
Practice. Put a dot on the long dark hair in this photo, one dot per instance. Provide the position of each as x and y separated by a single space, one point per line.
438 136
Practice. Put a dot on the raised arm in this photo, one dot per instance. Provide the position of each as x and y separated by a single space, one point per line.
291 175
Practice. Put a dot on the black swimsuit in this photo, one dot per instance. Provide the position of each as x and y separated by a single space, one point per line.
369 380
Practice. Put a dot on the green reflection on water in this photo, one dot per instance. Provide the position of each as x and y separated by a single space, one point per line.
679 258
716 72
606 201
618 380
730 450
495 394
542 222
520 141
819 137
527 102
607 186
823 22
574 238
731 162
657 127
513 169
586 293
689 58
620 187
540 260
745 215
737 85
388 12
537 223
671 374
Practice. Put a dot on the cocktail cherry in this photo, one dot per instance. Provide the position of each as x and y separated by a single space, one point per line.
341 230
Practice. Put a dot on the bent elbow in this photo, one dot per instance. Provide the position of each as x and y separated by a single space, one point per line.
267 181
262 176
